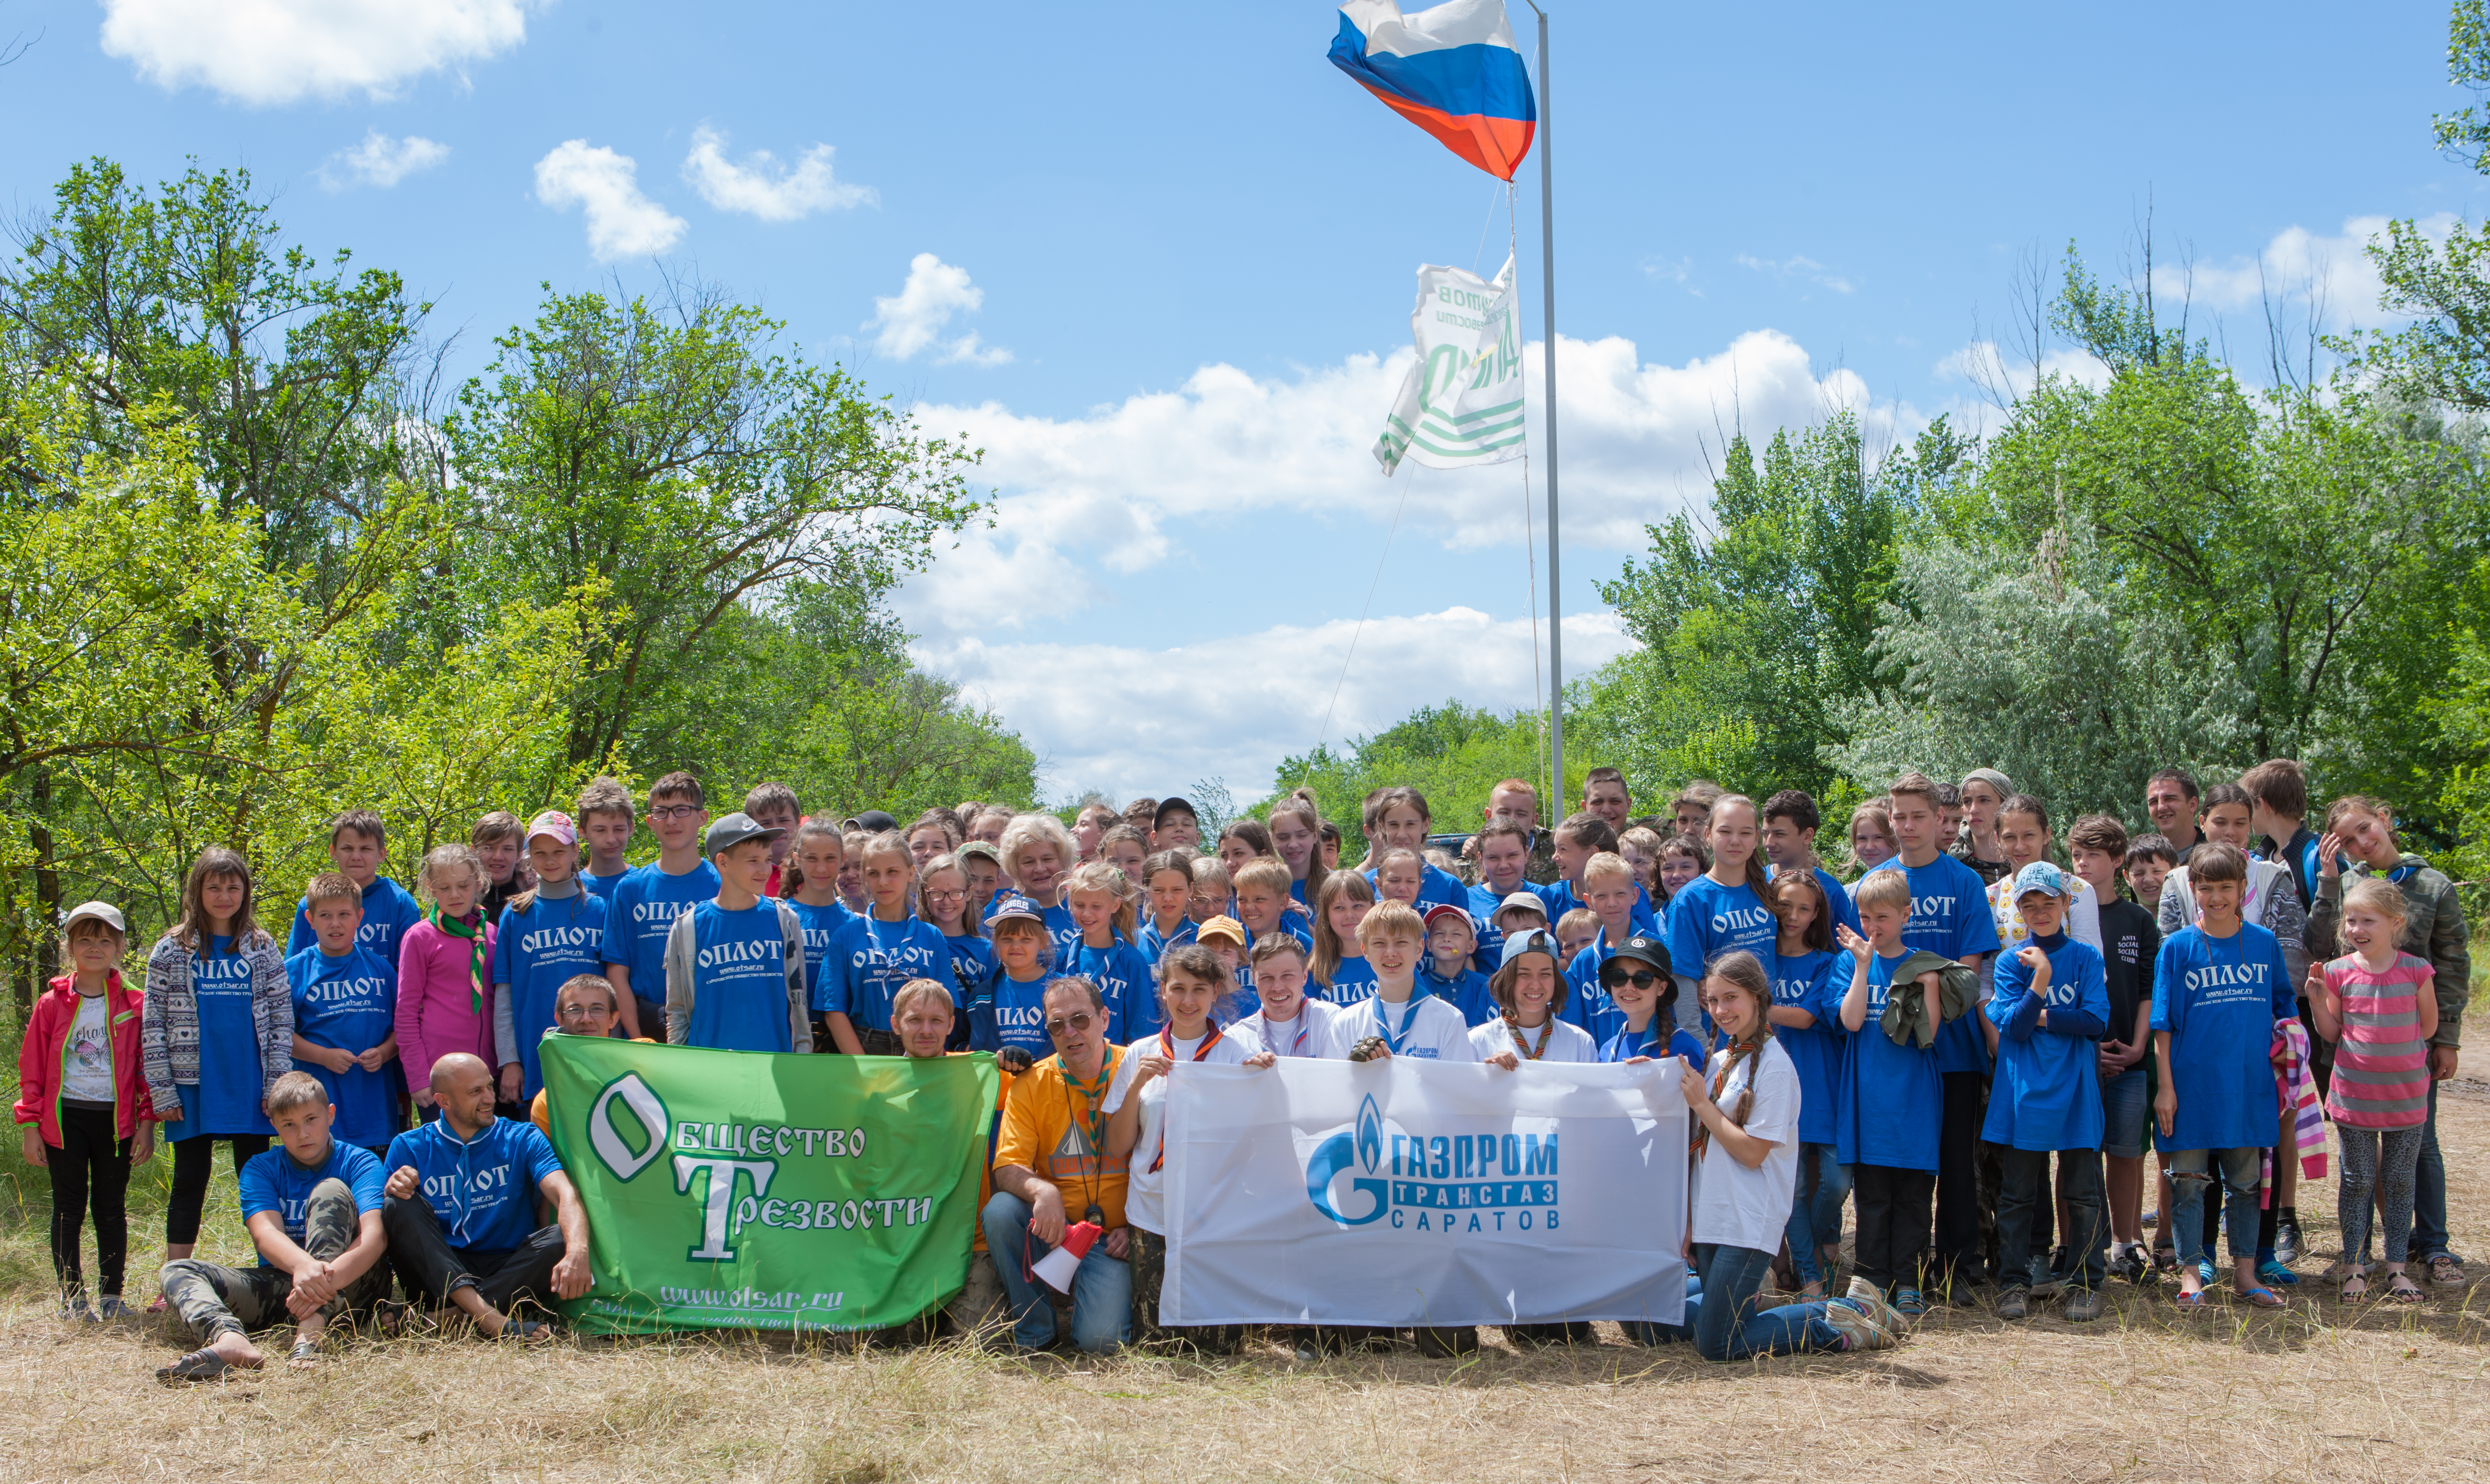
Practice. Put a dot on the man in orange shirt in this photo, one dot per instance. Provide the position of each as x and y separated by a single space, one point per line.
1052 1169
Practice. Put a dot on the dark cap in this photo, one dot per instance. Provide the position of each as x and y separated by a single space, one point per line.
873 822
733 829
1649 951
1175 804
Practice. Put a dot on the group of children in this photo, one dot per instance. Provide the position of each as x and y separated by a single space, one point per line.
1920 1040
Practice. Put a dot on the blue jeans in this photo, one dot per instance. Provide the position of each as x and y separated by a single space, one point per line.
1102 1287
2429 1192
2190 1171
1723 1321
2127 1114
1815 1217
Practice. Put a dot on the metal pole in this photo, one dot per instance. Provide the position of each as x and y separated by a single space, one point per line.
1547 277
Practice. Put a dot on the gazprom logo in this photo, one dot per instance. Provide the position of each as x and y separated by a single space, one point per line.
1336 1156
1472 1182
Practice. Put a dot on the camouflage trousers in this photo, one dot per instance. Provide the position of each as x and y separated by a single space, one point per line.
217 1300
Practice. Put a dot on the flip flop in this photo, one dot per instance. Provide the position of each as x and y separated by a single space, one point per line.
2190 1303
2262 1298
306 1355
524 1331
197 1365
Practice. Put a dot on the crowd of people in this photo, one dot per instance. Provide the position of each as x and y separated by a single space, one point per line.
1970 1025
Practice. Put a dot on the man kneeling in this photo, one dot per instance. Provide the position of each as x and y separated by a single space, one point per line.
312 1207
461 1209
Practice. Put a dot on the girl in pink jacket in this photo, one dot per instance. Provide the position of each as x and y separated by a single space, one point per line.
444 972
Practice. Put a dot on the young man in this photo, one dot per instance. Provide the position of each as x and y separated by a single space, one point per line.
585 1005
2130 942
642 909
1502 850
606 822
1516 802
2049 1006
1605 794
735 964
357 842
1262 909
1288 1022
1949 915
1407 1023
2220 997
1790 824
1608 886
2170 797
1052 1169
774 806
345 1015
547 936
312 1207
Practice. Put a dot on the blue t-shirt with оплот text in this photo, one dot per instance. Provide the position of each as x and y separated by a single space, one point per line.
535 953
272 1180
877 957
483 1190
1560 898
389 910
2219 998
604 885
1892 1098
1353 981
1126 980
973 963
1708 919
821 927
348 1004
2047 1091
1020 1013
1836 895
1467 994
739 980
1950 915
638 916
1798 982
226 1099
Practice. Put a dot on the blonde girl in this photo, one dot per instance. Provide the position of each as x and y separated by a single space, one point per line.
444 990
943 899
881 951
2377 1003
1102 900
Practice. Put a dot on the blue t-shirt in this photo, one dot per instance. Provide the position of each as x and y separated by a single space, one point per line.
389 910
1483 904
1126 980
1798 982
1467 994
604 885
271 1181
1892 1098
973 963
1560 899
739 980
348 1004
1835 894
1062 934
483 1190
2047 1094
821 928
1353 981
1627 1044
1154 943
1950 915
226 1099
1019 1012
2218 997
638 916
533 952
1587 1001
1436 884
1708 919
876 958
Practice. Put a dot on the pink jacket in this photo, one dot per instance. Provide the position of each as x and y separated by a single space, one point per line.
437 1015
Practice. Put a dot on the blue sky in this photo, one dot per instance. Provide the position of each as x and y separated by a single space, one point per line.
1158 263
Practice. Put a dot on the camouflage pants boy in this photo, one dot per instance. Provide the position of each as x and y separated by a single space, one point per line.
216 1300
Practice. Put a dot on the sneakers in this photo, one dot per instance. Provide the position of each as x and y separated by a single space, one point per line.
2271 1272
2014 1302
1869 1300
2047 1278
75 1312
1908 1304
1857 1329
2083 1305
2286 1240
110 1308
2131 1262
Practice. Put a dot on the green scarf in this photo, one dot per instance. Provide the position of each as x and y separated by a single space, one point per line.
476 966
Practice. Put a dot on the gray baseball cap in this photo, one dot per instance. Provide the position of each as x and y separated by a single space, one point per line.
733 830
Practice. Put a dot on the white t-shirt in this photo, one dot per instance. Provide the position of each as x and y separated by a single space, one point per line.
86 1061
1430 1029
1145 1189
1566 1042
1313 1018
1732 1204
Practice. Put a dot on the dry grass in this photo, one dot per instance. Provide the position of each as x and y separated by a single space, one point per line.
2319 1392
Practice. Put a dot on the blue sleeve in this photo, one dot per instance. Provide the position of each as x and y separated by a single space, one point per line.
537 1151
836 990
367 1183
1977 931
259 1185
504 968
2013 1008
615 949
1844 912
1682 1043
983 1033
2089 1016
1141 997
301 937
1839 971
1685 940
2166 964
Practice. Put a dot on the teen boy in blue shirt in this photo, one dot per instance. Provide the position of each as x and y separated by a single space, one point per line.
735 964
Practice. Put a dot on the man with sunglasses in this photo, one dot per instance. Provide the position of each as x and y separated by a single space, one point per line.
645 902
1052 1169
586 1004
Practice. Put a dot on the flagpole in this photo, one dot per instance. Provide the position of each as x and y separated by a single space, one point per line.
1548 278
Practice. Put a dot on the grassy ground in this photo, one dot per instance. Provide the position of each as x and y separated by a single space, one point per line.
2320 1393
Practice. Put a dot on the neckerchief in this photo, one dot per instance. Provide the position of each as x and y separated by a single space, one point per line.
1383 1021
1303 1023
1094 1094
1738 1051
1547 1032
478 967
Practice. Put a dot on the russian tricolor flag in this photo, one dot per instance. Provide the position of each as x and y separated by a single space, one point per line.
1452 70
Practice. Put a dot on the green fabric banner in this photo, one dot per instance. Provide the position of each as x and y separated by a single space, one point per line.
746 1191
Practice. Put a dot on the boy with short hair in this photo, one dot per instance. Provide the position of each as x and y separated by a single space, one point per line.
1263 907
1452 939
1286 1020
1522 913
1605 794
2097 845
735 964
357 841
1174 825
345 1014
642 911
606 822
1502 849
1608 886
1575 931
774 806
1397 1020
1790 824
1888 1117
1577 839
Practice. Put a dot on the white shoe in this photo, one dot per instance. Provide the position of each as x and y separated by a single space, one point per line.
1858 1331
1871 1302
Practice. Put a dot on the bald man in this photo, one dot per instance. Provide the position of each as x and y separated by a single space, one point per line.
460 1208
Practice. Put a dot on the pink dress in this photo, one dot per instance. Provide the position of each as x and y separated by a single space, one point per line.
437 1009
2382 1064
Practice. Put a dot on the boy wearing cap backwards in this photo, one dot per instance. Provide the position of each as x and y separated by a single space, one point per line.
357 841
1452 940
735 964
643 908
1398 1019
2049 1003
345 1015
549 934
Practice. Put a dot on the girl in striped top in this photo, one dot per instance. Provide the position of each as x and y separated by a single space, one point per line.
2377 1004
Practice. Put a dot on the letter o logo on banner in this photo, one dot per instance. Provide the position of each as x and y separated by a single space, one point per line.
645 1107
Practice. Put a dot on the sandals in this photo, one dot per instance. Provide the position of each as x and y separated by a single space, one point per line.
2401 1289
2192 1302
197 1365
2446 1272
2262 1299
524 1331
2273 1271
2356 1288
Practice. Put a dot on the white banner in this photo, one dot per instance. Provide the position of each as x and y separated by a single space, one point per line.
1411 1192
1462 403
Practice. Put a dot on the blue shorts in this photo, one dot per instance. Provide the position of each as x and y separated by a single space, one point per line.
2127 1112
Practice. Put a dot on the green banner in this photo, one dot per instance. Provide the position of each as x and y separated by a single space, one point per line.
741 1190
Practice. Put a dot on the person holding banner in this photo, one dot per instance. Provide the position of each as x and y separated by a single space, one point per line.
1291 1023
1192 982
1395 1020
1056 1120
1530 992
586 1004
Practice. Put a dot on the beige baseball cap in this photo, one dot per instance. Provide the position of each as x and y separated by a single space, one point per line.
102 911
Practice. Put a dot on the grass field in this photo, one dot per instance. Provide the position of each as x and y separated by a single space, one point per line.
2318 1392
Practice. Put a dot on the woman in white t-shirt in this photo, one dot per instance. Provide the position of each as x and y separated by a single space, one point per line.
1530 990
1192 982
1745 1164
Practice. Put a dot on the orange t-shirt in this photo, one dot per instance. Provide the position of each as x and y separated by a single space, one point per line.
536 1110
1045 1130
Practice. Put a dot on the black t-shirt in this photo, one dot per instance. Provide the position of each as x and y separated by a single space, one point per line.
2130 940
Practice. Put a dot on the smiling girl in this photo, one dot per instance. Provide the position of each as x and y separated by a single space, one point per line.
942 899
1101 898
1341 976
1722 910
1529 994
1167 887
1296 836
880 951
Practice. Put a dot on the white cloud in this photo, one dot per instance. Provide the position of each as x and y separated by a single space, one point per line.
279 51
622 223
1999 375
1151 720
1805 270
2297 270
763 187
380 161
912 320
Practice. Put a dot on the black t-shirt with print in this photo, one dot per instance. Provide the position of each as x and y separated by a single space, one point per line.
2130 940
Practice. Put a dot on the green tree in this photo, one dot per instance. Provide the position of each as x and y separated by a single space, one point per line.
1454 754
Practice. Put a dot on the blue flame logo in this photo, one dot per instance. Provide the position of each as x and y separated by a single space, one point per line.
1336 1156
1370 1135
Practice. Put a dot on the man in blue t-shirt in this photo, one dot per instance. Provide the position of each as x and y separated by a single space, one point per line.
461 1204
313 1210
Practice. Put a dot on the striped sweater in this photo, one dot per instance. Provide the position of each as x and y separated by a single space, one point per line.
2380 1064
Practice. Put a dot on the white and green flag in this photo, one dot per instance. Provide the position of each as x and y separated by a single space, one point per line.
1462 404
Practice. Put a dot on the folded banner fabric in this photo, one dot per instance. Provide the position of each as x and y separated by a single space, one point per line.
741 1190
1408 1192
1461 404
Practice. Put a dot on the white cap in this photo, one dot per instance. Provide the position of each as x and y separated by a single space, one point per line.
102 911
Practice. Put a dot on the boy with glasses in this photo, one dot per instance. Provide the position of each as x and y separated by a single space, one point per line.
644 905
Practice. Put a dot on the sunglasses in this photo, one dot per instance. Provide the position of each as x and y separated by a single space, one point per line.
1073 1024
1640 978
